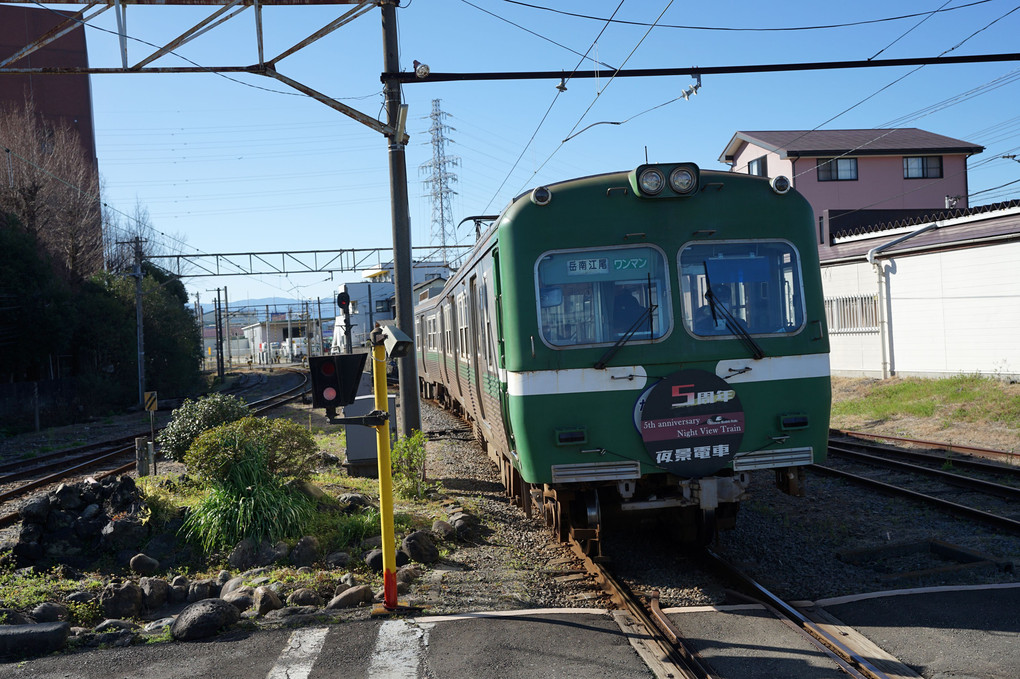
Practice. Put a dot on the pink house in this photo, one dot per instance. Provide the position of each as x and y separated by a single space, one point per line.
855 176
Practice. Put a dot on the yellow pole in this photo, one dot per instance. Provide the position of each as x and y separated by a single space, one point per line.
382 439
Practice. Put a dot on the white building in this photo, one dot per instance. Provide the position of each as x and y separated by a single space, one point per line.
930 298
373 300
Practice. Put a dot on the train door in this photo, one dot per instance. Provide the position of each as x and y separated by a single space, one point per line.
477 365
445 341
504 405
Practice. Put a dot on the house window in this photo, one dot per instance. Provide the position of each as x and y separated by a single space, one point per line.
837 169
758 167
382 306
922 167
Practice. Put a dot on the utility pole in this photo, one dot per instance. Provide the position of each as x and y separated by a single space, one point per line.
226 321
138 321
219 336
408 415
438 181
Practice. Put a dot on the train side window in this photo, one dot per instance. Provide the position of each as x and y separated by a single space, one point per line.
756 284
599 295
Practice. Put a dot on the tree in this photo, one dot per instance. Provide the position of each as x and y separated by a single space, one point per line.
52 190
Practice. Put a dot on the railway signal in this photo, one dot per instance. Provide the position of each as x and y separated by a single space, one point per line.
335 380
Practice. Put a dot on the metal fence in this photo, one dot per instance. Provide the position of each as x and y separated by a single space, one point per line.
853 314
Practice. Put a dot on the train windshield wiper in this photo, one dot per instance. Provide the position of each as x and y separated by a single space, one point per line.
733 324
611 351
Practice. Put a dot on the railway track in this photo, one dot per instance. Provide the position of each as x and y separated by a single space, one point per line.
988 493
55 467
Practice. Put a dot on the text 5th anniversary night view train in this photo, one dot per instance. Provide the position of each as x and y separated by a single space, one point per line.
638 341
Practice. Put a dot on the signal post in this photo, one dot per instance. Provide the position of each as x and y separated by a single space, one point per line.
334 383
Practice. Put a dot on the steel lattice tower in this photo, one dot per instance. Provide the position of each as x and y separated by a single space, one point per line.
438 181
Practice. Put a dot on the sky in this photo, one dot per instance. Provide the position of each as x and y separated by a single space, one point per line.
244 163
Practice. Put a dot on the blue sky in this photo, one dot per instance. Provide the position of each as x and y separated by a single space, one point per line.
246 164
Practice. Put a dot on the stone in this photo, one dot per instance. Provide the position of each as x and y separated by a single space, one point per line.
9 616
203 589
155 592
337 559
231 585
159 625
121 601
18 641
68 496
36 510
304 597
127 532
266 600
80 597
144 564
50 612
444 529
420 547
408 574
242 598
204 619
374 559
115 626
355 596
305 552
90 512
222 578
247 553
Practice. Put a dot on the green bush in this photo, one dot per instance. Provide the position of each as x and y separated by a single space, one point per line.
195 417
250 502
408 460
290 450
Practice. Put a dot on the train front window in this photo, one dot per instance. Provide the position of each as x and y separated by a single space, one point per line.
757 282
597 296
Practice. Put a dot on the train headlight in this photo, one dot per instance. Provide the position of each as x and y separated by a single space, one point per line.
780 184
651 181
683 180
541 196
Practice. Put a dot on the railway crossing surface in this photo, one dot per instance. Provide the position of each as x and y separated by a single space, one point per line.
972 633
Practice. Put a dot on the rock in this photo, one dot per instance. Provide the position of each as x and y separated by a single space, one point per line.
50 612
305 552
266 600
154 592
144 564
356 500
222 578
310 489
304 597
127 532
68 497
337 559
9 616
408 574
231 585
291 611
32 640
444 529
91 512
59 519
248 554
374 542
159 625
340 589
242 598
374 559
355 596
203 589
116 626
35 511
80 597
121 601
204 619
420 547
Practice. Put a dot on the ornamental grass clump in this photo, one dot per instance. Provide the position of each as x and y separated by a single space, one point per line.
408 460
290 451
250 501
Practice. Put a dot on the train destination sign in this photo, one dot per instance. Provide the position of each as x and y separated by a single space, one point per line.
692 423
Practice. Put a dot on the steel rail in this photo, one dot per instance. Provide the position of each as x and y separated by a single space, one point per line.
967 482
858 664
962 461
954 507
666 637
951 447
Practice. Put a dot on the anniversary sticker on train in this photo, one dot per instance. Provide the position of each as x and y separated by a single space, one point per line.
691 423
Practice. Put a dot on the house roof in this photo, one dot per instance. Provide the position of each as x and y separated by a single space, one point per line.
873 142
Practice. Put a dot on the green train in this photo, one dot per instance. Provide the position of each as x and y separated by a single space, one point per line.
638 342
